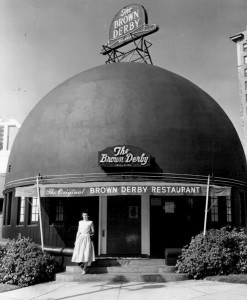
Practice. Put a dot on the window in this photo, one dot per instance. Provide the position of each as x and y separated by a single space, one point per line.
214 209
228 210
1 137
5 209
245 84
34 210
242 209
56 211
245 47
245 72
59 211
8 209
245 59
21 211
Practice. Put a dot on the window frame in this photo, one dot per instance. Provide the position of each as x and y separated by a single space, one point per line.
33 211
8 209
214 209
21 210
59 211
228 209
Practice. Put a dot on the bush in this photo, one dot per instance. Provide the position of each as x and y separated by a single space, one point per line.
3 251
24 263
219 252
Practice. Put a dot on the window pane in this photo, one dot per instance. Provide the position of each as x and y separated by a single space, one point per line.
34 210
214 209
59 211
228 210
21 210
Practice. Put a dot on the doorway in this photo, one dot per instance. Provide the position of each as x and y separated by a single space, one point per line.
167 224
73 209
124 225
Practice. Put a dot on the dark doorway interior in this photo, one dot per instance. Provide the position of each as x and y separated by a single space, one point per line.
124 225
73 209
173 221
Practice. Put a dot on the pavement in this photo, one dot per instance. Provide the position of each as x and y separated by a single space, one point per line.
181 290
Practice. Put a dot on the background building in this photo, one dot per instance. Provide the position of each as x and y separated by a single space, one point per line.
8 131
241 41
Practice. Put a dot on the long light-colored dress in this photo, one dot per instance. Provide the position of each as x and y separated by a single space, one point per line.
84 249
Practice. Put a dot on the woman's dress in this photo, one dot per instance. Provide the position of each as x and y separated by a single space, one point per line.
84 249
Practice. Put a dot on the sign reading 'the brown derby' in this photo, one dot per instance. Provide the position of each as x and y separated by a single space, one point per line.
124 156
129 24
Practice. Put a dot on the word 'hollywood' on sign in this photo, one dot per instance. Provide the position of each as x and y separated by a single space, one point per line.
123 190
129 24
123 156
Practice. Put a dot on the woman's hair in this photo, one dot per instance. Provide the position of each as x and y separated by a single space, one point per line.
84 211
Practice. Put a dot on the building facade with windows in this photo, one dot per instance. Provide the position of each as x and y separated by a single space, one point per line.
8 131
241 42
138 146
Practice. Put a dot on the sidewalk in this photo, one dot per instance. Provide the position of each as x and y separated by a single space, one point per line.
182 290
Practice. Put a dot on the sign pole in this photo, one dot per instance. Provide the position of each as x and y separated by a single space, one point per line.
40 220
206 207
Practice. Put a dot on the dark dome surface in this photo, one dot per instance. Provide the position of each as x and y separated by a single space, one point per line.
182 127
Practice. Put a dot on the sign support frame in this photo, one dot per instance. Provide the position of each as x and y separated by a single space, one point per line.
206 207
40 219
140 51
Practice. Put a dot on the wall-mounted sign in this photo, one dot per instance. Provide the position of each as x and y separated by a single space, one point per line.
133 212
123 190
169 207
129 24
123 156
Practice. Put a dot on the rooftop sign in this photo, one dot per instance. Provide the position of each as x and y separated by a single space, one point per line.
123 156
129 24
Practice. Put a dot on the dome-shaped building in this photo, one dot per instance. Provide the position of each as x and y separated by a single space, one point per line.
135 144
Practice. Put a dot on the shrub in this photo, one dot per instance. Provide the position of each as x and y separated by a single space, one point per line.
220 252
24 263
3 251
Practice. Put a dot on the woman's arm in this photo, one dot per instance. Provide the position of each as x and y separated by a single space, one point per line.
78 232
92 229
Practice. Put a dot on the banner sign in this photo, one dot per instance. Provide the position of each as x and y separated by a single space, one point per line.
123 156
129 24
124 190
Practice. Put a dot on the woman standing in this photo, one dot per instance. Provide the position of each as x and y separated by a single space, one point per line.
84 250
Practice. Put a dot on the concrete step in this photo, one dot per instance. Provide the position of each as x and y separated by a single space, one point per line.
103 262
123 269
166 269
124 277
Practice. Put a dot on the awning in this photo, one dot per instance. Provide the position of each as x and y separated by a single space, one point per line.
121 188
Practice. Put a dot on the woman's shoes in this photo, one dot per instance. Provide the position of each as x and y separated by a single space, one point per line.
83 272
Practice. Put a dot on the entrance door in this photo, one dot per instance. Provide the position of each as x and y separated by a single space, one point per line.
124 225
73 209
167 224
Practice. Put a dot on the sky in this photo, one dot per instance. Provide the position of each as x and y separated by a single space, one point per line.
45 42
